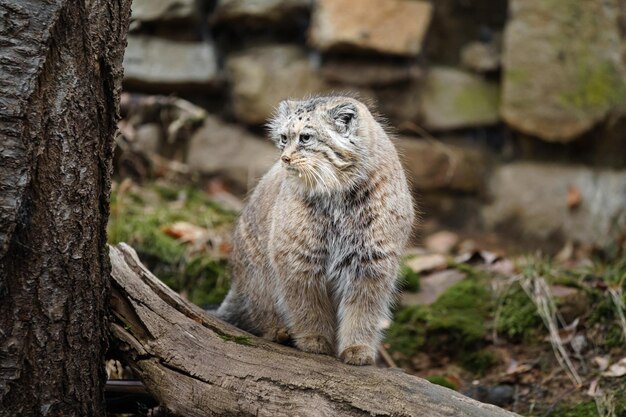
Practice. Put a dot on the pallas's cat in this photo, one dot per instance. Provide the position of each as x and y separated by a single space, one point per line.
317 247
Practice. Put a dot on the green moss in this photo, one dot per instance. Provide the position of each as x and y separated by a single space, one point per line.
452 324
603 310
517 317
579 410
516 76
613 272
407 332
590 409
458 316
442 380
139 216
478 362
241 340
465 268
409 280
478 101
613 338
599 85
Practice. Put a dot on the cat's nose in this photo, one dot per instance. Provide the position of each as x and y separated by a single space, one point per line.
286 159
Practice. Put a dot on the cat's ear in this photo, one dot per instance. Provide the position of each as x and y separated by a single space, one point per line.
284 108
344 118
280 113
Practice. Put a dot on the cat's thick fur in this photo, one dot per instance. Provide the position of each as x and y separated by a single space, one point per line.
317 247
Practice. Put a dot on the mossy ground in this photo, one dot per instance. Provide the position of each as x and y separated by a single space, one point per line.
456 330
139 216
453 325
480 324
613 407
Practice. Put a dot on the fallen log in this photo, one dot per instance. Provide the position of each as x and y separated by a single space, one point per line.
197 365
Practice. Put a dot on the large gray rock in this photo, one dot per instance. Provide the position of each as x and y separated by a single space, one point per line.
393 27
259 11
435 165
218 148
263 76
531 199
165 10
563 68
157 64
455 99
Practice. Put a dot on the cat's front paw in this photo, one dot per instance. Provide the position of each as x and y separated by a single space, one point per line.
314 344
358 355
277 334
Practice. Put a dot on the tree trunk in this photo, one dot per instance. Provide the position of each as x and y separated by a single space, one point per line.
60 77
196 365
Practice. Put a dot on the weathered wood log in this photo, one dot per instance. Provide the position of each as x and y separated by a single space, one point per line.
196 365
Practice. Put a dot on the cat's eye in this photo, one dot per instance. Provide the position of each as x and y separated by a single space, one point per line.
304 138
283 139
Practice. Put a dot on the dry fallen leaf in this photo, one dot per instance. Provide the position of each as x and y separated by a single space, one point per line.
514 368
602 362
186 232
594 389
225 248
574 197
616 370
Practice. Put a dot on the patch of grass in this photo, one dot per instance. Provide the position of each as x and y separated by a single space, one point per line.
517 317
613 272
138 217
603 309
611 406
579 410
613 338
478 362
442 380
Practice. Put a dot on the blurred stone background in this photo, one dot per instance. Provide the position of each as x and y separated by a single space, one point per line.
510 115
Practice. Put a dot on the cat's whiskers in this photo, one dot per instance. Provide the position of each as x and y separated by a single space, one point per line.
328 174
321 170
303 169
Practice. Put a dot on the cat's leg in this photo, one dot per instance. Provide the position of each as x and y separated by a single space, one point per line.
272 324
364 307
304 299
232 308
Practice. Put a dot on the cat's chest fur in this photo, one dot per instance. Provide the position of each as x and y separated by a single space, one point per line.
332 230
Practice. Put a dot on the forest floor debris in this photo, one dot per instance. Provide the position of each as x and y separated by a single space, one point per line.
537 335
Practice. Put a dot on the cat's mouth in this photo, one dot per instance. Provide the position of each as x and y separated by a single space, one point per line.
294 171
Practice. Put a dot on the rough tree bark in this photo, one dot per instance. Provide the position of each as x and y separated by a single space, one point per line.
60 76
196 365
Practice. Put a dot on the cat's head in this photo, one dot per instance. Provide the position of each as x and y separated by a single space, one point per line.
323 140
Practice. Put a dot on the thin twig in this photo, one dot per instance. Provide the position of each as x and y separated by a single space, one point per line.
539 292
386 357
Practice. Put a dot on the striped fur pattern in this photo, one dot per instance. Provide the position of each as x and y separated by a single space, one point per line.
317 247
